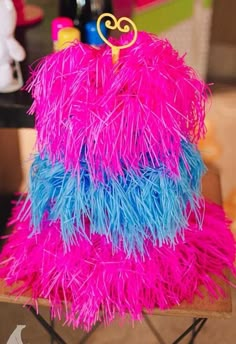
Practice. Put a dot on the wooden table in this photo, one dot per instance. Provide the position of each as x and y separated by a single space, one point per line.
201 308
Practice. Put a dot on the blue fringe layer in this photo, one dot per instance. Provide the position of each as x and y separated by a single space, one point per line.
130 208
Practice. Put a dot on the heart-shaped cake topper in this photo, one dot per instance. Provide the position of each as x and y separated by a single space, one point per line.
117 25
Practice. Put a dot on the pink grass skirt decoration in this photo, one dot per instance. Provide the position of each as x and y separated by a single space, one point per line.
107 125
92 283
129 114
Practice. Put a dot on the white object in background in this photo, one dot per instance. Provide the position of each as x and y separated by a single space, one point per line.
15 337
11 52
192 36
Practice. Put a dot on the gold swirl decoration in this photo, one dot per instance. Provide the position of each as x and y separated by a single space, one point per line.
114 24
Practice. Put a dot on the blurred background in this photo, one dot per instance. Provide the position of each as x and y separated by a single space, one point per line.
204 30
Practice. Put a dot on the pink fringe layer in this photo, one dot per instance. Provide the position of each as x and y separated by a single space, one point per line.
90 283
135 112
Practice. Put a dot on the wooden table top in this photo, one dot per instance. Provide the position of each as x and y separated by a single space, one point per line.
201 307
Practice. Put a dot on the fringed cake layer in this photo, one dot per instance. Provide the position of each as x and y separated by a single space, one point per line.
133 207
128 114
91 282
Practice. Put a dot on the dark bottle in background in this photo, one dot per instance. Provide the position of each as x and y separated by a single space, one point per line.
84 11
67 8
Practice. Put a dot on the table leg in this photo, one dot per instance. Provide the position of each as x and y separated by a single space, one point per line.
197 330
196 327
56 337
152 328
52 326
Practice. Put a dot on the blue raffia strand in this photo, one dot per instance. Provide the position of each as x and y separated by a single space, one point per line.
127 209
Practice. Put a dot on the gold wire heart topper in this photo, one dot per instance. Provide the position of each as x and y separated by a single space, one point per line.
117 25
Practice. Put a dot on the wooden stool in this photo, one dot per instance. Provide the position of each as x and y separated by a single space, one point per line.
201 309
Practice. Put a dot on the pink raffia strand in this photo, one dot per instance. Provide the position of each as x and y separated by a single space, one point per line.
91 283
135 112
